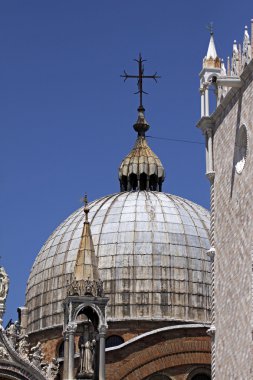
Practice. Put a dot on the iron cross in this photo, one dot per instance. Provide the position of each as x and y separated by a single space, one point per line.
140 78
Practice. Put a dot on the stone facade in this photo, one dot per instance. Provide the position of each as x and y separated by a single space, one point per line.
232 209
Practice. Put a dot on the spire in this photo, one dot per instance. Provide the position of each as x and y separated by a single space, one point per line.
211 51
211 60
86 262
235 60
86 278
246 48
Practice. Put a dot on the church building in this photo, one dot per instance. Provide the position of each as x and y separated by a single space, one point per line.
145 285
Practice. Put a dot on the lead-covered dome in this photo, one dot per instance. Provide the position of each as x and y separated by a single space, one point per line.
151 256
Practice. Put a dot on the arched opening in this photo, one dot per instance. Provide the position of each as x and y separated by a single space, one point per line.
201 376
153 181
113 340
60 353
158 376
143 181
133 181
124 183
86 314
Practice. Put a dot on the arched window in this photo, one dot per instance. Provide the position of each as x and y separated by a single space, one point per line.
113 340
158 376
133 181
61 350
201 376
143 181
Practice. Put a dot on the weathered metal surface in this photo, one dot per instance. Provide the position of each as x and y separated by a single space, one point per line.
151 256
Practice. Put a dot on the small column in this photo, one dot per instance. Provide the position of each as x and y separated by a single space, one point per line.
66 355
71 328
210 150
206 102
202 97
207 158
102 333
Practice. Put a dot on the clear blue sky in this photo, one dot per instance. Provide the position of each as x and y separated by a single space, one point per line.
66 115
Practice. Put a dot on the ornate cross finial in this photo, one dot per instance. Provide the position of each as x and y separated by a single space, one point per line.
210 27
140 78
86 208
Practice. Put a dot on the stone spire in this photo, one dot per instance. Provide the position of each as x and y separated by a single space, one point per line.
86 277
141 169
246 48
211 60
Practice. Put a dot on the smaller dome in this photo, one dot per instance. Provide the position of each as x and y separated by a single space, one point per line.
141 169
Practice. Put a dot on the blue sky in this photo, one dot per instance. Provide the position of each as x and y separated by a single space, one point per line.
66 115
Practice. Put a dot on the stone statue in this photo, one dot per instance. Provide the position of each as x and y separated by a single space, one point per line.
87 348
100 288
51 370
36 355
12 333
4 284
3 353
23 348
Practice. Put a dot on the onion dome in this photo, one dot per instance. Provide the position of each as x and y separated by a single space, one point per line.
141 169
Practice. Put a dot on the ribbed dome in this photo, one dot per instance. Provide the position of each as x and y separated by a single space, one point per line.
151 256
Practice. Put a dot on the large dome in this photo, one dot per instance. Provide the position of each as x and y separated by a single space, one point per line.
151 250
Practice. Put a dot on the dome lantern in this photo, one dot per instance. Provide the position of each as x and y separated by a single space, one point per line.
141 169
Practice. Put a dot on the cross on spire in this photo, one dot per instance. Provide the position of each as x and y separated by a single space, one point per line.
140 78
210 27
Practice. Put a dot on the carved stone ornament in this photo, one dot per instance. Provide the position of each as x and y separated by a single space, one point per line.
3 353
36 355
71 328
4 284
86 288
51 370
12 333
23 348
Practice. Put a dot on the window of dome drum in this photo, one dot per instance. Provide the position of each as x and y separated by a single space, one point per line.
113 340
158 376
201 376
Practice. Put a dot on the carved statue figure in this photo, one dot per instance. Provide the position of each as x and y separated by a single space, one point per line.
36 355
23 348
52 369
87 357
100 288
12 333
3 352
4 284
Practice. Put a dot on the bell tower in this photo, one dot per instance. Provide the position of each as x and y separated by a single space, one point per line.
211 69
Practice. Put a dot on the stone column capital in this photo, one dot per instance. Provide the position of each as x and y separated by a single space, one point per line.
71 328
102 331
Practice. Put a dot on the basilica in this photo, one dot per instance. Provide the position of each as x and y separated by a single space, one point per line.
140 284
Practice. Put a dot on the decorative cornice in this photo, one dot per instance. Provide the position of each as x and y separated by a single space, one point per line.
210 176
206 123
